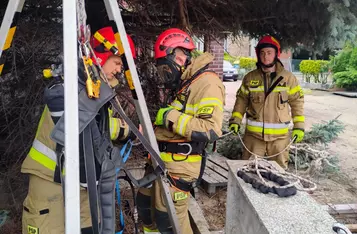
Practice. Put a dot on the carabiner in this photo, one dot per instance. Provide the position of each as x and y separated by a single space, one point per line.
189 148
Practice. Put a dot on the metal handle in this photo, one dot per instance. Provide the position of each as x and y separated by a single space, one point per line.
339 228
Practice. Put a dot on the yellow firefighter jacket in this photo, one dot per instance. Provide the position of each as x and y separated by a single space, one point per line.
267 107
198 107
42 160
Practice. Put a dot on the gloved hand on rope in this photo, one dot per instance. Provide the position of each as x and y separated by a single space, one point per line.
235 128
161 115
299 134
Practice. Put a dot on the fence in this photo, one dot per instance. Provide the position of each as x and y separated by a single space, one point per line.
291 64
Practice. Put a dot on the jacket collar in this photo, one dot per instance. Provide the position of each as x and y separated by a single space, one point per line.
197 64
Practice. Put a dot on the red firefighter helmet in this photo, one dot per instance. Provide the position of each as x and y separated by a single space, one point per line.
101 52
267 41
171 39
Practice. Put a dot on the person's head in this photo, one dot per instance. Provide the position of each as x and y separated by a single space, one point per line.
173 54
111 63
268 51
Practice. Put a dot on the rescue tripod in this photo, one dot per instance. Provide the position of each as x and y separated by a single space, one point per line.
73 11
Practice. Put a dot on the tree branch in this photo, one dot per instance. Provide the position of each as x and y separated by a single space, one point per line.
183 17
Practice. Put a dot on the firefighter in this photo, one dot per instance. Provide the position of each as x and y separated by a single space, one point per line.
43 208
265 97
183 128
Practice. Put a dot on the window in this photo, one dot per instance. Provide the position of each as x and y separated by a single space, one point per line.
225 44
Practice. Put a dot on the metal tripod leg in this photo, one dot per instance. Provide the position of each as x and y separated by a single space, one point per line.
72 194
114 14
8 27
7 31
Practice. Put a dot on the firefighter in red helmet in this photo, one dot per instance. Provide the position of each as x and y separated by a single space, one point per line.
265 97
111 63
43 208
192 117
101 52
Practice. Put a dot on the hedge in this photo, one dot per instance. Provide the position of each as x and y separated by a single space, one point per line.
314 68
247 63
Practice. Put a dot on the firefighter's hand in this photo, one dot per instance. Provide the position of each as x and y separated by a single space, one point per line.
136 139
161 115
299 134
235 128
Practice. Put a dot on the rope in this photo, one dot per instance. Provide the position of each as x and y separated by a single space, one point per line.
83 33
257 166
266 157
226 134
136 144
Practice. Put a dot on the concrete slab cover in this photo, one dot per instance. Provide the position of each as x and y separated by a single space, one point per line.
251 212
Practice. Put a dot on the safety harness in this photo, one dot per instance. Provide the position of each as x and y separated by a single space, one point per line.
100 160
186 148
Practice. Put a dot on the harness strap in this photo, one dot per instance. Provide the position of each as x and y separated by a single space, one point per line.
194 78
202 169
121 217
106 192
91 176
142 139
186 148
185 185
124 155
180 183
272 87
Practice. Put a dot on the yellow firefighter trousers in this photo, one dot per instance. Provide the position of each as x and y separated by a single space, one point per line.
261 147
43 209
151 204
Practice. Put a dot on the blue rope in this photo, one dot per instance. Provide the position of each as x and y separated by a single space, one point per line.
124 153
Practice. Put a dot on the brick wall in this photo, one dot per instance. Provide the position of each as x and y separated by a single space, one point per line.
215 47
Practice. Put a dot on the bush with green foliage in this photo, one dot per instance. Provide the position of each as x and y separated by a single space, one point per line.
353 59
314 68
346 79
247 63
229 57
345 68
341 61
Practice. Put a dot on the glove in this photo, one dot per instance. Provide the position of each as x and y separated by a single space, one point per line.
299 134
161 115
235 128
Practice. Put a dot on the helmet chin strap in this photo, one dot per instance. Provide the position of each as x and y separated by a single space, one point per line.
268 65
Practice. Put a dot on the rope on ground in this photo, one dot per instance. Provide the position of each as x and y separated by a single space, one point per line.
319 156
260 164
